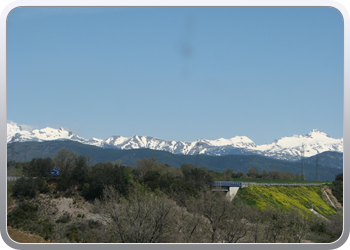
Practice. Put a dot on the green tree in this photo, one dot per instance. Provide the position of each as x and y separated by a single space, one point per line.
38 167
196 177
337 188
151 179
80 170
146 164
105 174
227 174
65 160
253 172
263 174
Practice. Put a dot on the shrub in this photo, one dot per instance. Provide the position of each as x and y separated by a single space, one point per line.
65 218
25 188
93 224
72 234
23 212
64 183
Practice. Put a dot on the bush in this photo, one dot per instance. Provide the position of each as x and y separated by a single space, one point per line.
23 212
337 189
65 218
72 234
25 188
64 183
93 224
42 186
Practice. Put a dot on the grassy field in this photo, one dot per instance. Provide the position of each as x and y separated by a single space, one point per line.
14 171
285 197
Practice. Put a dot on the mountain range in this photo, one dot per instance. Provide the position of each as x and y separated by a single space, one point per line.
285 148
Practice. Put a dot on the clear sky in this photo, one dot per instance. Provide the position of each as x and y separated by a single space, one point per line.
177 73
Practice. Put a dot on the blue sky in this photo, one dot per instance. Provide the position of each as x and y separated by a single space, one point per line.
177 73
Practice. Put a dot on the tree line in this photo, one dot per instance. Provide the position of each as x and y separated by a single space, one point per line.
253 173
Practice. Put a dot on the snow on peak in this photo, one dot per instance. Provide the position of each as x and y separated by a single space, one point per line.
316 132
45 134
284 148
234 141
315 142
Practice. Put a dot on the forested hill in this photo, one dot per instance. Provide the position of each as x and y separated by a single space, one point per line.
25 151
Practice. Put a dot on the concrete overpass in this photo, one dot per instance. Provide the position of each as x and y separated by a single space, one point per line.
227 186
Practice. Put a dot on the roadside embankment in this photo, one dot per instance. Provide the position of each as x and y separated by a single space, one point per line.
286 197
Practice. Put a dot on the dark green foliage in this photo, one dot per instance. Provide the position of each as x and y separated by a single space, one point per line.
197 178
165 181
29 187
24 211
76 170
136 175
319 227
68 194
38 167
151 179
337 188
47 229
42 185
105 174
339 177
64 183
79 173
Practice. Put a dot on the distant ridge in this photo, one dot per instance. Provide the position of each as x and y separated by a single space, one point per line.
286 148
217 163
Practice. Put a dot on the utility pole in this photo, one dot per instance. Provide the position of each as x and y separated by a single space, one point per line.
317 168
302 172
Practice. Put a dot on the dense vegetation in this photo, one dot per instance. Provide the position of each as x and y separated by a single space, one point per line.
157 203
337 188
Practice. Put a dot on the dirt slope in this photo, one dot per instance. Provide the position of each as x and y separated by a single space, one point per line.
18 236
327 192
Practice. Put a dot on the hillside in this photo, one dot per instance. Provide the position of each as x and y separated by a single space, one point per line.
285 198
329 159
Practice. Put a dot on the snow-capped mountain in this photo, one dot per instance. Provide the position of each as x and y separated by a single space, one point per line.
286 148
16 132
